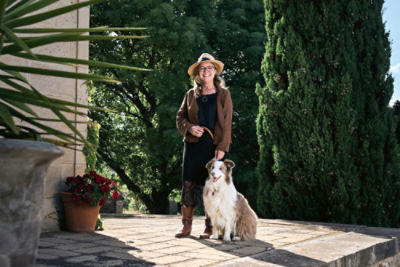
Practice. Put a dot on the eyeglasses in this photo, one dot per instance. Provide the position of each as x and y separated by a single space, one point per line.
209 68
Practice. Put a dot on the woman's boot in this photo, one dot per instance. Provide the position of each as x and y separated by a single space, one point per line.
208 231
187 217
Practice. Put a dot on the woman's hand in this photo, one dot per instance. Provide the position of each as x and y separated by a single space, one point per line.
219 154
196 131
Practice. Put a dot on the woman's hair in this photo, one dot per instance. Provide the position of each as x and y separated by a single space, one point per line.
219 83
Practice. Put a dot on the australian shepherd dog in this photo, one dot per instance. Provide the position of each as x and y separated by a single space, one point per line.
229 211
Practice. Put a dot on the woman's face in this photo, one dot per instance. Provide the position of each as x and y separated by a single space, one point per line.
206 71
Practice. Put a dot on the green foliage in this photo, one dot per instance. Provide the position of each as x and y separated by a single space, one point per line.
17 118
142 144
90 151
396 113
327 148
99 224
237 37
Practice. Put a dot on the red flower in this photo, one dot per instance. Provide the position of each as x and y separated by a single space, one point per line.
89 188
105 189
92 188
102 201
115 194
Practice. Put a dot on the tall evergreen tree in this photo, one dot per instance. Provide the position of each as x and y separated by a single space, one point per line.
326 136
396 113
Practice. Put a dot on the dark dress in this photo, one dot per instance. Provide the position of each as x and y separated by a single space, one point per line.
196 155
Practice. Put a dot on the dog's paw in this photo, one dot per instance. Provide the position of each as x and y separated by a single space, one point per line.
215 237
227 238
236 238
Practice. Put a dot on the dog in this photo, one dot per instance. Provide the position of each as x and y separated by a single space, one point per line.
229 211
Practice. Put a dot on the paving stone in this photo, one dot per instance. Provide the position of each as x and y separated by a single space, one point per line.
146 254
76 246
196 262
95 249
149 240
82 258
169 259
245 251
44 256
58 252
120 255
154 246
175 249
108 263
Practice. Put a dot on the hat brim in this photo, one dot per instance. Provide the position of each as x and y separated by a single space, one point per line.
219 66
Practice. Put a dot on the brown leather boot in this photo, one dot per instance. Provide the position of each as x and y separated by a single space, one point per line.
187 217
208 231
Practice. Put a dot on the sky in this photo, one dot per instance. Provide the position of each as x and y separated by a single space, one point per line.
391 17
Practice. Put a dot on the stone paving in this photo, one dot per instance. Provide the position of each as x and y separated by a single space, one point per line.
148 240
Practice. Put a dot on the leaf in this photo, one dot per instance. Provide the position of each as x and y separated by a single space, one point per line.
33 42
7 118
77 30
93 63
58 73
18 22
27 7
18 41
21 106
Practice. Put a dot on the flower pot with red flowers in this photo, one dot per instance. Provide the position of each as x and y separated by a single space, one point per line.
84 198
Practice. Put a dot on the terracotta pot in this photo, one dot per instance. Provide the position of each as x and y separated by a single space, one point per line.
23 167
80 216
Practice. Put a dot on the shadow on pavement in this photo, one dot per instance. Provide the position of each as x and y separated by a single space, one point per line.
85 249
262 252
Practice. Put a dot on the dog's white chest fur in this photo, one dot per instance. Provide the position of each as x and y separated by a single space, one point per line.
224 205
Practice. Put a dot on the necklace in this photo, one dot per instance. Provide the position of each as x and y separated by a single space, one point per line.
204 98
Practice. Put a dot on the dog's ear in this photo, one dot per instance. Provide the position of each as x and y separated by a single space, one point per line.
209 164
229 163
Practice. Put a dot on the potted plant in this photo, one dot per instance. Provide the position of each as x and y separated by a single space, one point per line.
23 164
83 199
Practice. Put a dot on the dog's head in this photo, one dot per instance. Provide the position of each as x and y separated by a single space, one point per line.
220 170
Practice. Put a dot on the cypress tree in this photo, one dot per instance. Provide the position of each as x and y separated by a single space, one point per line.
327 145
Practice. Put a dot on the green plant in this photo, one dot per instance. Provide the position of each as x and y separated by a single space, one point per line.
90 151
17 95
92 188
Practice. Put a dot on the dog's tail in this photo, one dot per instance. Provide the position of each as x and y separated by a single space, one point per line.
246 224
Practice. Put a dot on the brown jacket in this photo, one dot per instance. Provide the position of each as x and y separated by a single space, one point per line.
187 117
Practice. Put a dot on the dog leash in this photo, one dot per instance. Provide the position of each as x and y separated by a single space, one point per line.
209 132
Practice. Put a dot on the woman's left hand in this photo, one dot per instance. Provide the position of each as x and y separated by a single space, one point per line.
219 154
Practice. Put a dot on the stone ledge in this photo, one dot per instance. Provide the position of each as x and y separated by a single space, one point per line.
349 249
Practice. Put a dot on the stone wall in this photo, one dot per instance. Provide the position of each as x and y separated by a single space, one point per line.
73 161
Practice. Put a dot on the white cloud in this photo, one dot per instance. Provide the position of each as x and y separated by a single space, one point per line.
395 69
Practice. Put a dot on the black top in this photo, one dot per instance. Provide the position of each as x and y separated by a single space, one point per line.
207 110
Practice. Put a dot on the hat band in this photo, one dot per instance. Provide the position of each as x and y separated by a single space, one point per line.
204 59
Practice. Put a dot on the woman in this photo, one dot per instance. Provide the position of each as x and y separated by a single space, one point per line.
205 121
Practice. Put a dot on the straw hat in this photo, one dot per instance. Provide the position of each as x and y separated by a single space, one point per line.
205 57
